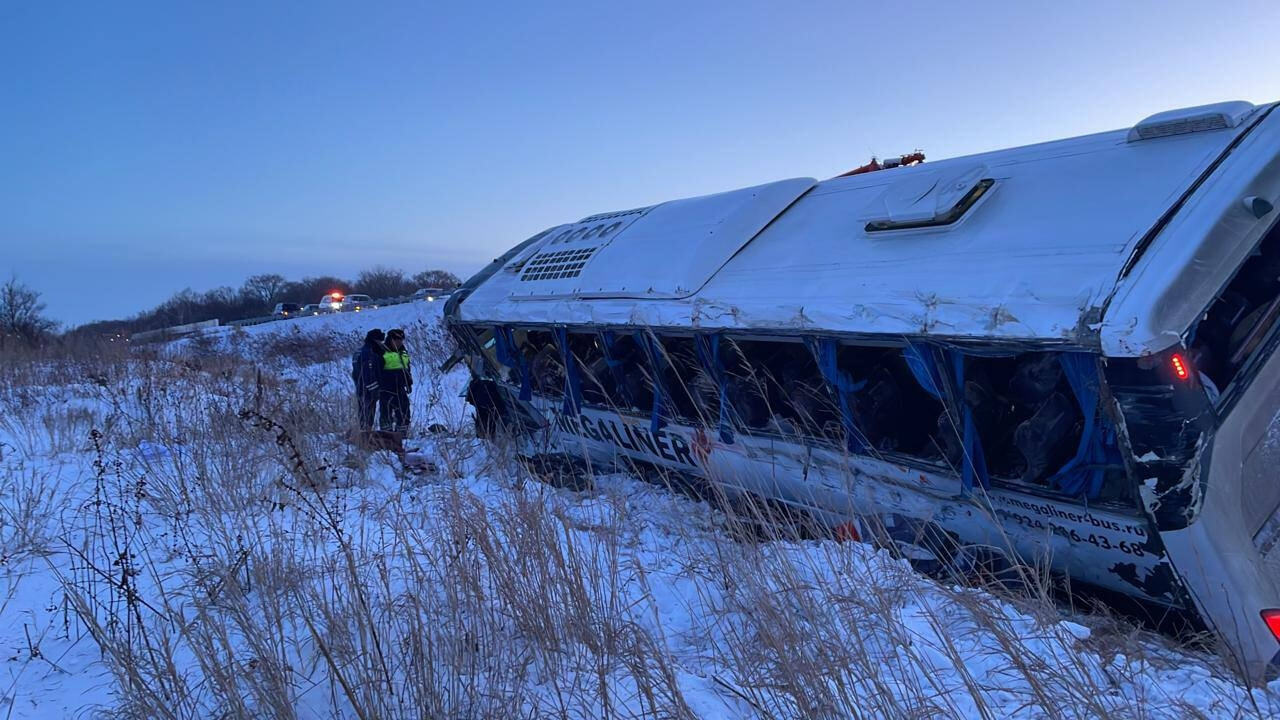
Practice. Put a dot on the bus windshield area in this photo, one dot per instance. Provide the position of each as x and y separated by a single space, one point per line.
1243 315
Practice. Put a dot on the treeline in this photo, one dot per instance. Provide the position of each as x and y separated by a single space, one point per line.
22 320
259 295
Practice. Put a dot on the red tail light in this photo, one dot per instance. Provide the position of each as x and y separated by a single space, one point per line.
1272 619
1180 368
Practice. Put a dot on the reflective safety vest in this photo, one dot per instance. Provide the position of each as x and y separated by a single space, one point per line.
393 360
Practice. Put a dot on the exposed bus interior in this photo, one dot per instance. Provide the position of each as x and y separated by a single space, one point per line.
1240 320
1028 417
895 414
1029 421
774 387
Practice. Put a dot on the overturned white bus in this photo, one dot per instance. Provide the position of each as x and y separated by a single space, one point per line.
1066 349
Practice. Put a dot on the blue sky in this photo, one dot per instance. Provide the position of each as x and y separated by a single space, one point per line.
148 147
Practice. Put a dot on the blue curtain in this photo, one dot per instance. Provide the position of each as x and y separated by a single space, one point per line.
572 379
920 360
825 351
708 347
657 365
609 340
923 363
1084 473
505 344
975 459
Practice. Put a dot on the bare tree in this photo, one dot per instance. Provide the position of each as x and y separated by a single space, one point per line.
309 289
266 288
442 279
383 282
21 313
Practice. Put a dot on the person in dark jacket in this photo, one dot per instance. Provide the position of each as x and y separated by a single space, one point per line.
366 372
395 383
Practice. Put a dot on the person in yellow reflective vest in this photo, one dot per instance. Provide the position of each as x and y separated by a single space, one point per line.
395 384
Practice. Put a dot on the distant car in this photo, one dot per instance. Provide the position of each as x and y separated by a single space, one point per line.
356 303
431 294
312 309
331 302
286 309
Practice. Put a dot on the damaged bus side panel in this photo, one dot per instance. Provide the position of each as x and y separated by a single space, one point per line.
766 421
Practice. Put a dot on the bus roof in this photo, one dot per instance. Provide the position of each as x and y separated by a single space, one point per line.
1029 243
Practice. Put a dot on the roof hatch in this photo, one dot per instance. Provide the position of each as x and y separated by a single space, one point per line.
927 198
1218 116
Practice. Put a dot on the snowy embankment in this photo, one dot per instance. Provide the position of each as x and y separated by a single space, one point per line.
187 535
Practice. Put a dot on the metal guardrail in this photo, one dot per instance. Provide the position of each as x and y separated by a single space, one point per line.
173 332
255 321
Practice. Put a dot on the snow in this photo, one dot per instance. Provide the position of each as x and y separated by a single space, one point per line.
343 323
617 600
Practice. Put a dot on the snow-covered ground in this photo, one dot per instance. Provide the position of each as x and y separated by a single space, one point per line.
186 534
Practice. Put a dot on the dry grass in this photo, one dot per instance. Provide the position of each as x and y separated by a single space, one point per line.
230 560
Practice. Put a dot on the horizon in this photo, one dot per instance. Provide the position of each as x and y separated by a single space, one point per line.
151 149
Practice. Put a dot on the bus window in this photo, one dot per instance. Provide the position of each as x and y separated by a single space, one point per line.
893 412
1027 415
540 351
687 389
1235 325
629 383
748 394
805 400
775 386
598 383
